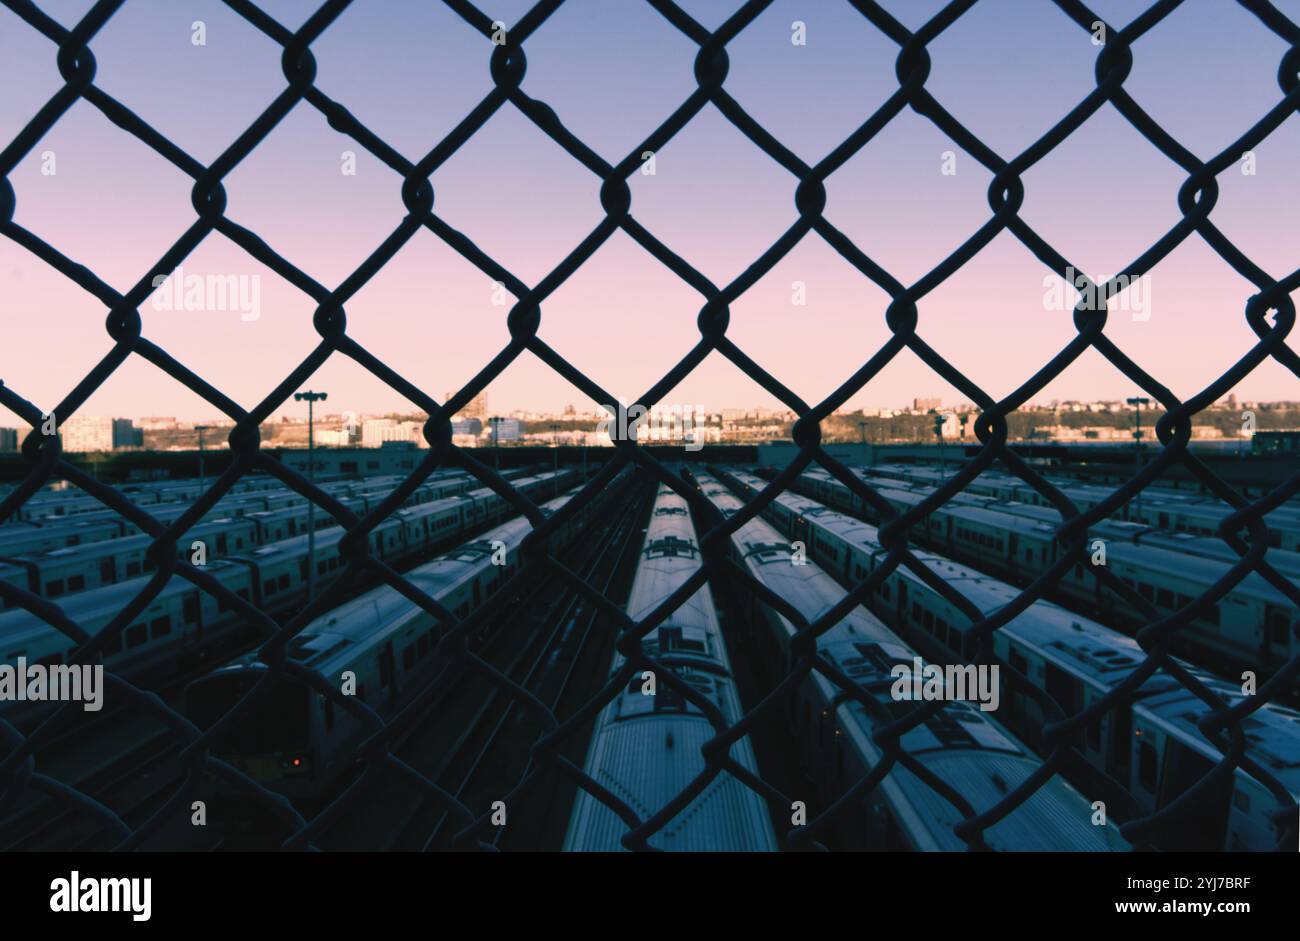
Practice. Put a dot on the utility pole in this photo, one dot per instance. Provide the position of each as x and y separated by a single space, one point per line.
200 429
1137 402
495 421
311 398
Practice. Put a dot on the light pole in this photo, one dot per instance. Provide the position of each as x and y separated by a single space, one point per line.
311 398
200 429
495 421
938 433
555 443
1137 402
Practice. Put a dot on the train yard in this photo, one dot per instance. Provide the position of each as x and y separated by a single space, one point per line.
494 706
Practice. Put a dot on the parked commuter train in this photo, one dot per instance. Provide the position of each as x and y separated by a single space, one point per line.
183 627
961 745
1254 626
77 567
1178 511
300 743
645 747
1149 745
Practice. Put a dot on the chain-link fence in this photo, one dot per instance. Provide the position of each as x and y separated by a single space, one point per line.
1244 530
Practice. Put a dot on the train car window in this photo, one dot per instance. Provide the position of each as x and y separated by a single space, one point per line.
884 590
1019 663
132 569
928 620
916 611
268 587
408 657
1061 687
1212 615
54 588
76 582
135 635
190 608
114 646
329 714
1094 734
1147 766
1164 598
668 699
283 581
160 627
1146 591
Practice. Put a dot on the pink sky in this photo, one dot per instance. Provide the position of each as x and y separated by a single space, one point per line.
612 73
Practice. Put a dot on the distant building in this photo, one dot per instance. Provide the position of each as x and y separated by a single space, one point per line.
93 433
506 429
8 439
467 426
332 438
925 405
377 432
156 424
477 407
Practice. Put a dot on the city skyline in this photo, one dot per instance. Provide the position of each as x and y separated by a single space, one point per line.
714 198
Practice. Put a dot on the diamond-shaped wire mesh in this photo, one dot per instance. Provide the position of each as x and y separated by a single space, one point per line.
507 64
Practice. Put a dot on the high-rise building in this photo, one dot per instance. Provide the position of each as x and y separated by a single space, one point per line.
476 408
96 433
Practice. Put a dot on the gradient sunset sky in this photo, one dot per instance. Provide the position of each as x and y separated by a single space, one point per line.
613 70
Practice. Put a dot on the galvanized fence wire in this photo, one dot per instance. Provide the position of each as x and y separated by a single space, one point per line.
1244 529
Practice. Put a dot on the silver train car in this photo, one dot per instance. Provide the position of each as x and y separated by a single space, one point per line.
1162 507
1150 747
23 538
645 747
961 745
298 742
184 627
87 565
1255 626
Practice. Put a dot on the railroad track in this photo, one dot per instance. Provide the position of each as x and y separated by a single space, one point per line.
122 784
491 773
467 710
76 754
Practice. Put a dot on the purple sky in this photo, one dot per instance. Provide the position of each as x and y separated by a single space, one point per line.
613 71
